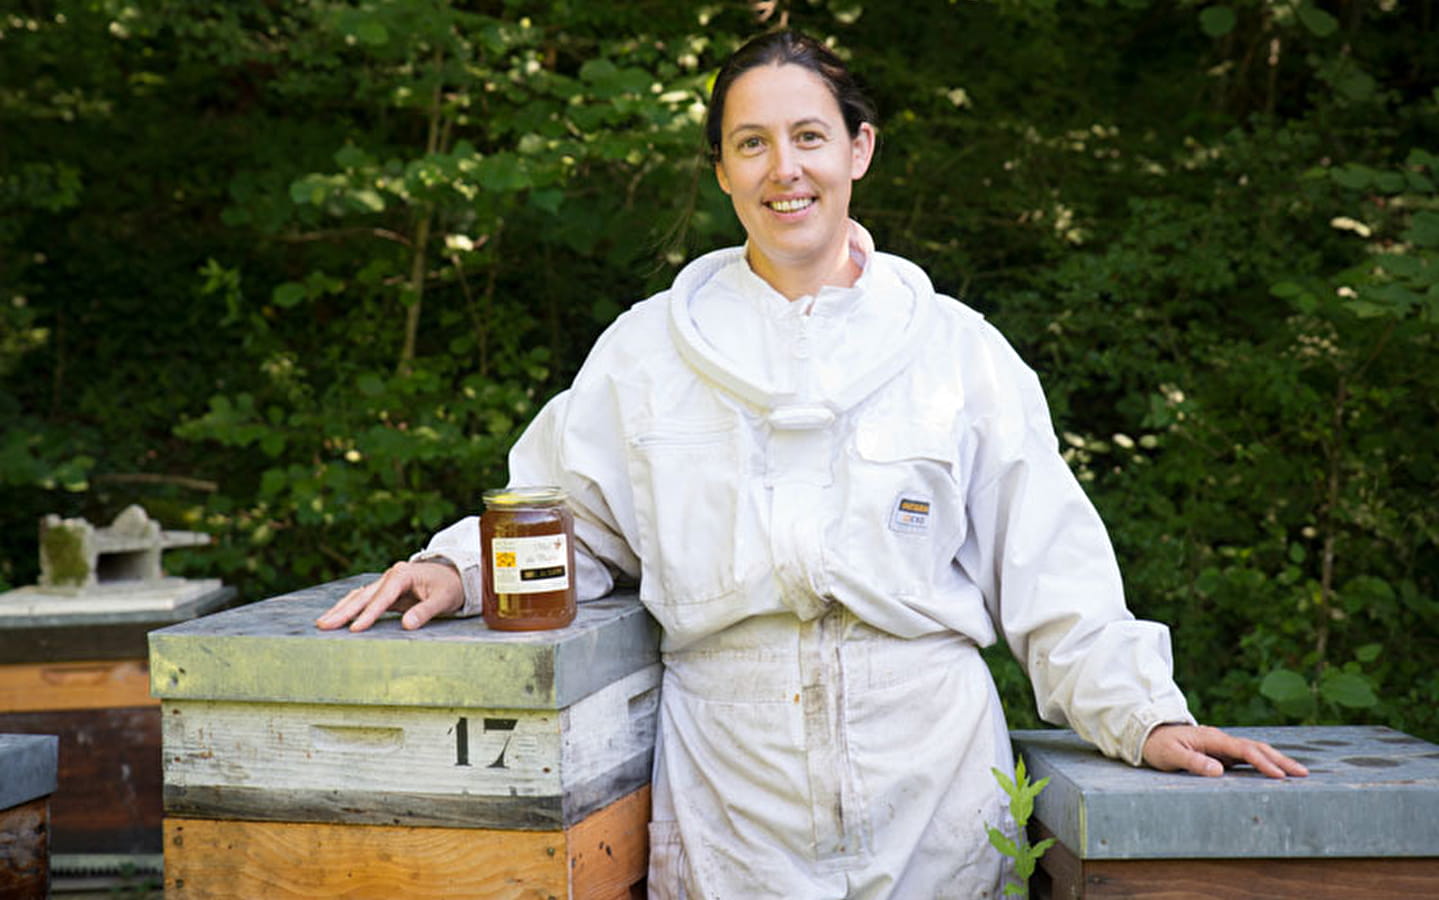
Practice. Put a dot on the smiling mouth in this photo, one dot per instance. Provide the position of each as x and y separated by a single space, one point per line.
790 206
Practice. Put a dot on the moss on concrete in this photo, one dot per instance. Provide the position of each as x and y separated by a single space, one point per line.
62 549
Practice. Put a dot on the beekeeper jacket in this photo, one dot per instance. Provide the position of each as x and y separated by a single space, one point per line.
829 504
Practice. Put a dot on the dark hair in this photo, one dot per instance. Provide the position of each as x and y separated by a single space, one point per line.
780 48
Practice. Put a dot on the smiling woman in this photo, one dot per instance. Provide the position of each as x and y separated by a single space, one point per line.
833 486
788 165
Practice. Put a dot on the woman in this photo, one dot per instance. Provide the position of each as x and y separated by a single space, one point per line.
833 486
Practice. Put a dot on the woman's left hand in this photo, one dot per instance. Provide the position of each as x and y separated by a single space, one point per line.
1208 751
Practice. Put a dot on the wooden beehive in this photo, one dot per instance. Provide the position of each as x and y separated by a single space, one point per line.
28 765
453 736
1364 824
76 667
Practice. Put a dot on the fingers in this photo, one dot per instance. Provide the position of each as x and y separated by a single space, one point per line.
1205 751
423 589
1195 763
423 612
1269 761
362 606
1263 757
1172 748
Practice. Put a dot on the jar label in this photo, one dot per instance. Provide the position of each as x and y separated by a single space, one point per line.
530 565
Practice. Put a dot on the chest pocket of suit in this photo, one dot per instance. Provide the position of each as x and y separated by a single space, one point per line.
905 511
687 478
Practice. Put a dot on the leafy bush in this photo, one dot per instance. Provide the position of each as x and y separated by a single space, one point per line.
296 274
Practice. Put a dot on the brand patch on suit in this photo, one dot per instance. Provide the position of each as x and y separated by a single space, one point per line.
910 515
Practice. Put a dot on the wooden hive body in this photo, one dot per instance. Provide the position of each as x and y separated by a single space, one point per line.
28 767
76 666
457 746
1365 823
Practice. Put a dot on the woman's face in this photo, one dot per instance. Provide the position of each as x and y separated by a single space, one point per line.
788 164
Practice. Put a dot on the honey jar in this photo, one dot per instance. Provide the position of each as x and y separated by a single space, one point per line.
528 538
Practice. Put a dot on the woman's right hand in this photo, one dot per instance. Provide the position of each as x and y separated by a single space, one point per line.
422 590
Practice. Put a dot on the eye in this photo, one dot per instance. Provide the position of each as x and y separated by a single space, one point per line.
750 144
810 138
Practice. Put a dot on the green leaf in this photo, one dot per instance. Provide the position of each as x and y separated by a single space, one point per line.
288 294
1302 299
1357 86
1217 21
1423 158
372 33
609 81
1209 581
1408 268
548 200
502 173
1347 689
1002 842
1368 590
370 200
1368 653
1353 176
272 482
597 69
1284 686
1004 780
370 384
1424 230
1390 182
1319 22
1419 182
351 157
1366 309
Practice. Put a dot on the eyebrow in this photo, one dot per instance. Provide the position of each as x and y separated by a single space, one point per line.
809 122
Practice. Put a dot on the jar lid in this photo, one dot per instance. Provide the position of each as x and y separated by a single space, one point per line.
525 495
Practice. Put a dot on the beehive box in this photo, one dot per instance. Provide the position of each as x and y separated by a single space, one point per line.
498 751
1364 824
28 765
76 667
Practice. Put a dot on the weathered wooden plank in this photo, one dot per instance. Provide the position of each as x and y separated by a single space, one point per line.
459 767
1372 792
108 794
1260 879
292 861
25 850
271 651
84 684
371 807
54 643
90 634
1060 874
207 859
610 853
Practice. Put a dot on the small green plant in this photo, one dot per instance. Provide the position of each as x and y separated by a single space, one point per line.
1021 805
134 884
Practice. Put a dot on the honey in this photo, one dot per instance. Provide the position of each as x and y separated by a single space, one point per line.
527 535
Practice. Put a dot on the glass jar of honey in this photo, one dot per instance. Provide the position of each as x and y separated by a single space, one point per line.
527 535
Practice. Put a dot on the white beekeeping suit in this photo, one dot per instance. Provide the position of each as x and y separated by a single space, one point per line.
830 504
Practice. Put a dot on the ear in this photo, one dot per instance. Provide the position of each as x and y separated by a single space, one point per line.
862 151
721 177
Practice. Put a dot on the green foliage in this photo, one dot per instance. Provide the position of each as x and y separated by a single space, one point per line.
297 273
1021 793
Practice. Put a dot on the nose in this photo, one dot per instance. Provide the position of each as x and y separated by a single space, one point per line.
784 163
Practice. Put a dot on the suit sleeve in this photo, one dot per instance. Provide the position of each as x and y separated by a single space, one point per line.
1043 559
